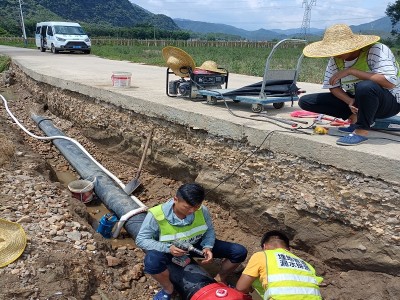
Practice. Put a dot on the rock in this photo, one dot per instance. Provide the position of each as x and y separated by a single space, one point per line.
74 235
112 261
59 238
90 247
137 272
25 219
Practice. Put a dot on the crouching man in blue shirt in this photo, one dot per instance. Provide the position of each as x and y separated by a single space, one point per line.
183 218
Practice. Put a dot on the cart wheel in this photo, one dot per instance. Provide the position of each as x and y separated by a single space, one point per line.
211 100
278 105
236 101
257 107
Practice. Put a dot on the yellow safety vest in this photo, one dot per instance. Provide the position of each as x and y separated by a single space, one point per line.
290 278
361 64
189 233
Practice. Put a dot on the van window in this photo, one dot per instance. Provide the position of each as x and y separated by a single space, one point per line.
37 30
58 29
50 31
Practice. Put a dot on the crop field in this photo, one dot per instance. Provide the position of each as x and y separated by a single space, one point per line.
247 61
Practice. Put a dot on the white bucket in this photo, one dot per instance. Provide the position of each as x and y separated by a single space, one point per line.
121 79
82 190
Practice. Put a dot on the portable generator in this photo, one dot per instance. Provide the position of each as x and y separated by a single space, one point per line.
198 79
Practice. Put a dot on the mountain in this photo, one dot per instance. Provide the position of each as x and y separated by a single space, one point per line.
204 27
119 13
381 27
297 31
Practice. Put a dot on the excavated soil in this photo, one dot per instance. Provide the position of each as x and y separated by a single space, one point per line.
345 224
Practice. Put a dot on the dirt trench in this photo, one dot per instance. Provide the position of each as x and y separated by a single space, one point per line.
344 223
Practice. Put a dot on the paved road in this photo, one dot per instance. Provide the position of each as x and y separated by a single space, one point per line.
91 75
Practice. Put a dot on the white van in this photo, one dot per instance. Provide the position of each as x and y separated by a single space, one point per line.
61 36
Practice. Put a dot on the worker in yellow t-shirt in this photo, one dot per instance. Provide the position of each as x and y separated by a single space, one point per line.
276 273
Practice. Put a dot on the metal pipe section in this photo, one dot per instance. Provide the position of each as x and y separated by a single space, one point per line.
112 196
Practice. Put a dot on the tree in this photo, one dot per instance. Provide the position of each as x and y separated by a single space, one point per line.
393 12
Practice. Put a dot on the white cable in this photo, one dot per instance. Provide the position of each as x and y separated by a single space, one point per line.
125 218
119 182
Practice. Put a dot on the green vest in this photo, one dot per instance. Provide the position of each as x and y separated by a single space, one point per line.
289 277
361 64
189 233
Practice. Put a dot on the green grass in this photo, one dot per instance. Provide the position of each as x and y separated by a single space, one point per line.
4 63
247 61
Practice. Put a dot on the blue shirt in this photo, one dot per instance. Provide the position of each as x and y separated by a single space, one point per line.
149 232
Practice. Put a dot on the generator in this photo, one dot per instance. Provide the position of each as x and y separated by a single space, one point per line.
198 79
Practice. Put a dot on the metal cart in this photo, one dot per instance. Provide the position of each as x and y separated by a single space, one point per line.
277 87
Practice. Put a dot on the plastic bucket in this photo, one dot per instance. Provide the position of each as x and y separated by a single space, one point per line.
121 79
82 190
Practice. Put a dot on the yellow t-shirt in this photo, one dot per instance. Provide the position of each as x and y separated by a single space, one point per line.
256 267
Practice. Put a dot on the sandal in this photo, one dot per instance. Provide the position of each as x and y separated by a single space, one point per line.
348 129
351 140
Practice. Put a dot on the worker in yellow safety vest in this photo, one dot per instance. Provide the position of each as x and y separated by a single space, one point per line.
276 273
183 218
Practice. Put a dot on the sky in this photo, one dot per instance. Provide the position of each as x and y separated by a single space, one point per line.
270 14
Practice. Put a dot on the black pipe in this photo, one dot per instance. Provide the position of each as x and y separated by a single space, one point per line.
188 280
109 192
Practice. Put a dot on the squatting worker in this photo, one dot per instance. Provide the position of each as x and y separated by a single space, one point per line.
184 218
275 273
363 78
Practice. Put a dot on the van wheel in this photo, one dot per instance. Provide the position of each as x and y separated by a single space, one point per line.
53 49
86 51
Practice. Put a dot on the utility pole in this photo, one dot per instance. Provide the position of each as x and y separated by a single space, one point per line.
305 27
23 25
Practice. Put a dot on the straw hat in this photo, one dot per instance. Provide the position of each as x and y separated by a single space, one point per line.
339 39
211 66
178 61
12 242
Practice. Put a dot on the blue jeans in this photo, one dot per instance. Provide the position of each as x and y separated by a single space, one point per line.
156 262
373 102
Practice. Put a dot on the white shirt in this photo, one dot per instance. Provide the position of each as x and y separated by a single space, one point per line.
380 60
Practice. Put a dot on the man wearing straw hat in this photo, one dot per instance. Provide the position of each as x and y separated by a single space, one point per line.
363 78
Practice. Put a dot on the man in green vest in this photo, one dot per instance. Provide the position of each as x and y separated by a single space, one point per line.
363 79
183 218
276 273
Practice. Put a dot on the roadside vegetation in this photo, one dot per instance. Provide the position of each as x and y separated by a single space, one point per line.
247 61
4 62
